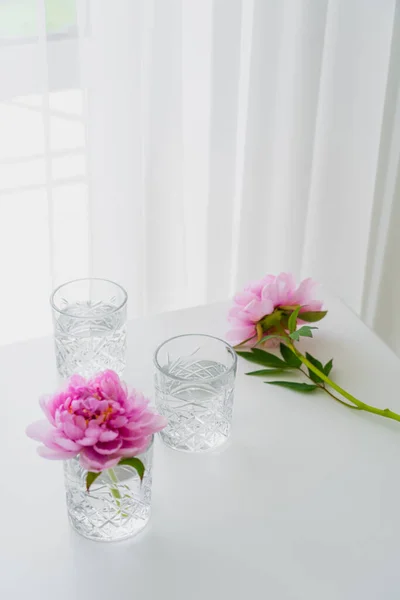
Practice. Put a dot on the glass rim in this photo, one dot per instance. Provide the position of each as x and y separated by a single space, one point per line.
64 312
204 335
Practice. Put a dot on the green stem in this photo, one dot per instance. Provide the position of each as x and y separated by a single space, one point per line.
112 476
114 488
360 405
115 491
322 387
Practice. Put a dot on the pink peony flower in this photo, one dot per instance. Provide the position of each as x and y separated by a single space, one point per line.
261 298
98 419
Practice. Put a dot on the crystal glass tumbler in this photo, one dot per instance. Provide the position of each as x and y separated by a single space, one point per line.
194 381
117 505
89 326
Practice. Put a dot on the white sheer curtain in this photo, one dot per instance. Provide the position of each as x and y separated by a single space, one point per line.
187 146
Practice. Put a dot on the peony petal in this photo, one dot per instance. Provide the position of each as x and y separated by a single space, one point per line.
64 443
255 287
268 279
94 404
65 416
130 434
109 385
244 321
269 291
304 292
241 334
266 306
108 435
119 421
235 311
128 451
93 428
76 381
257 309
72 431
93 461
311 306
92 434
44 402
285 286
80 422
88 441
108 447
55 454
157 423
39 430
243 298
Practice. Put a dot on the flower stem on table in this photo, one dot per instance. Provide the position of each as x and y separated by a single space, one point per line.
317 373
385 412
275 311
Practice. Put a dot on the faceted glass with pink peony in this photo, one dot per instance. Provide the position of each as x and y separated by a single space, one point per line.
89 318
194 382
117 505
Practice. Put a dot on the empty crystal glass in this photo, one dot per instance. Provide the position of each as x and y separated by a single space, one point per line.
89 318
117 505
194 381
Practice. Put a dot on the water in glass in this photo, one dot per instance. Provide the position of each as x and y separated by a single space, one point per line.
94 341
117 505
196 396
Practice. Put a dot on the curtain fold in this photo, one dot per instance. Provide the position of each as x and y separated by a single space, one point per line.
214 141
346 148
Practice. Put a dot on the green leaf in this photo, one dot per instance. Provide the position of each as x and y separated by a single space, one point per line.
90 478
328 367
264 372
263 358
299 387
312 316
289 357
314 361
267 359
135 463
304 331
293 319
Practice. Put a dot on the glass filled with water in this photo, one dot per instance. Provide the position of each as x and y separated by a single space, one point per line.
118 504
89 326
194 381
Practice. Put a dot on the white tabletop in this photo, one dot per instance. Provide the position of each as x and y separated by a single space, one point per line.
302 503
